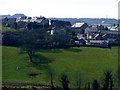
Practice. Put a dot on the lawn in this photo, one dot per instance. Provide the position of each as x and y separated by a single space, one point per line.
87 62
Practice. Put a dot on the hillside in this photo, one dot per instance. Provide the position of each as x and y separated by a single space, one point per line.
89 62
13 16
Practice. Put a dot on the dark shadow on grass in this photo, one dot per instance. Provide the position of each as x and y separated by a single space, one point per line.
73 49
40 59
41 62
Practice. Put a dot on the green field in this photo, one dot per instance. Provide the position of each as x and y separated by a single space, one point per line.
6 29
89 62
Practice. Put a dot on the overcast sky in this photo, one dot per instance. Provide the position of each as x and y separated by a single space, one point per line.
62 8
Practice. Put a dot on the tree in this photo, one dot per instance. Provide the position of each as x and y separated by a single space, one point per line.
61 38
30 26
108 81
111 84
52 84
65 82
50 74
29 41
95 85
22 25
32 41
12 39
15 26
26 40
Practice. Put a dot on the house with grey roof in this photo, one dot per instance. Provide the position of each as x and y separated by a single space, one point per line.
79 27
59 26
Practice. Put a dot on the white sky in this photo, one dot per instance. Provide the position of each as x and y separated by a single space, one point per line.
62 8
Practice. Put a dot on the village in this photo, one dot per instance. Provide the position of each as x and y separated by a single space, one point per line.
96 35
100 35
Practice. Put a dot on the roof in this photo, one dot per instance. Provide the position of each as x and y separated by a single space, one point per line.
60 23
78 24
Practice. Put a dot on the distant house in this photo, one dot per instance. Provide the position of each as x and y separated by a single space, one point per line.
96 32
57 30
9 22
90 30
37 21
114 28
23 19
41 19
80 27
59 26
110 35
113 36
58 23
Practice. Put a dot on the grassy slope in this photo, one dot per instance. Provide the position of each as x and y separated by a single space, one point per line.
89 62
5 29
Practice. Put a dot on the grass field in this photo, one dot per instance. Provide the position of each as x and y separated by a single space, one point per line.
89 62
5 29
